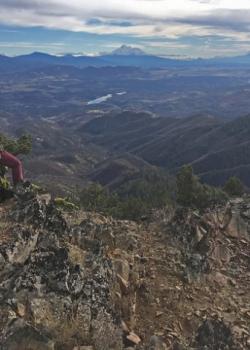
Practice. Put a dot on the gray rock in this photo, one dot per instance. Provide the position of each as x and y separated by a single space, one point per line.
22 336
59 280
156 343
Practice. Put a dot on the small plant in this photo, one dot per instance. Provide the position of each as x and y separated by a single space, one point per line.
4 183
65 204
5 191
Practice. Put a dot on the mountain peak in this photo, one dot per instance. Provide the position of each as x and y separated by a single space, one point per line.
39 54
125 50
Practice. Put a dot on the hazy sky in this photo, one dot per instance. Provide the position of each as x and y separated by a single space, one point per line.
166 27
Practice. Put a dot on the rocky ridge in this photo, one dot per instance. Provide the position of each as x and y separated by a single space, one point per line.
85 281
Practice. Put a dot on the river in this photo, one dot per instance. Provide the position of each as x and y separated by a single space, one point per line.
105 98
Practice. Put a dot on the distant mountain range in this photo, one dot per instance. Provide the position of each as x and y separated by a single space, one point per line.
123 56
48 96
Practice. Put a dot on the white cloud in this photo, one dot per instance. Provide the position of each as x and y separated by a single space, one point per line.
32 45
78 11
144 18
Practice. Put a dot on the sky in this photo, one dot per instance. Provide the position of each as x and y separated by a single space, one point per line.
173 28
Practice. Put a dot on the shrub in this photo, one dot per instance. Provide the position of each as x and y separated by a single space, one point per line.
65 204
209 196
131 201
191 193
95 197
234 187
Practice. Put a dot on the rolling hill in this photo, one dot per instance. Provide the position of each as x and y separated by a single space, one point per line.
216 149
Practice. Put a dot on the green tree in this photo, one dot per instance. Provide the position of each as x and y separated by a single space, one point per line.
96 198
191 193
234 187
22 145
187 184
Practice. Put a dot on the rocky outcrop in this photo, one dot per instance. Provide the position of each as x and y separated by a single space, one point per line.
85 281
65 286
208 240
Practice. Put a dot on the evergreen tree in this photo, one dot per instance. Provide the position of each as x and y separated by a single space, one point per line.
191 193
234 187
187 184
